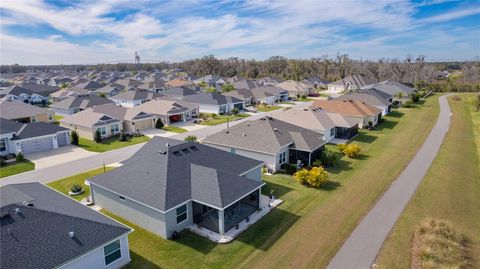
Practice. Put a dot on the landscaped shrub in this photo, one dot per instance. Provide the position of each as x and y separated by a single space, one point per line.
213 115
235 111
191 138
76 188
290 168
328 158
123 137
415 97
159 124
75 137
20 157
408 104
98 137
351 150
315 177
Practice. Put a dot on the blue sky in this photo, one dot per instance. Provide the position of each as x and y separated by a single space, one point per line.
107 31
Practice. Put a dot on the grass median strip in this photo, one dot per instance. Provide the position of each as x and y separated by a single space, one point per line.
7 170
110 143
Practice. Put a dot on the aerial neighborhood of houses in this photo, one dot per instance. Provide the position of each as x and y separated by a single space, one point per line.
209 142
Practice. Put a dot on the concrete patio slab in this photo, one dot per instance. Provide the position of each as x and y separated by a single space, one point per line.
57 156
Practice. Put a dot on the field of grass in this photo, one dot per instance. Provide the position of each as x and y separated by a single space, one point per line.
267 108
219 119
16 168
63 185
110 143
450 191
309 227
174 129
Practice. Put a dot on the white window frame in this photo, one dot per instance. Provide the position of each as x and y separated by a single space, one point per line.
282 158
114 128
3 144
101 130
106 254
177 214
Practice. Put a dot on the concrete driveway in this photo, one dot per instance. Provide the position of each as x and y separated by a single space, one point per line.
60 155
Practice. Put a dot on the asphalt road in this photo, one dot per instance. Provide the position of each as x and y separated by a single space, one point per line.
362 247
66 169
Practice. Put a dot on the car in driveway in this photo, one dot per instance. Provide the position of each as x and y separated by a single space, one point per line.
250 109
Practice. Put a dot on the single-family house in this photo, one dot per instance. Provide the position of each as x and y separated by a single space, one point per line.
178 82
88 122
350 83
270 81
272 141
155 84
366 115
279 93
28 138
296 89
170 185
331 125
72 91
179 92
25 113
42 228
215 102
20 93
134 97
110 90
211 80
244 84
170 110
88 85
398 91
371 97
72 104
317 83
133 120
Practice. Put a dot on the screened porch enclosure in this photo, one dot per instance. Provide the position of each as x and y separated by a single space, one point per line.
220 221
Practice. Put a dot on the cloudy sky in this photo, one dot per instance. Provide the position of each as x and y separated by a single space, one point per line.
107 31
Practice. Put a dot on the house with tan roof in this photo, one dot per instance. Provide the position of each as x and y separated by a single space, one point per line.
330 125
366 115
21 112
350 83
169 110
87 122
296 89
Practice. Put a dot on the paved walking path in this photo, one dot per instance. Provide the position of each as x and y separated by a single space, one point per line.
363 245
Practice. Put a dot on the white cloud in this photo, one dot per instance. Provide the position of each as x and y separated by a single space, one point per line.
456 14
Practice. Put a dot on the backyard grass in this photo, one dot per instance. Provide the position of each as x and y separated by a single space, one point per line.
267 108
174 129
16 168
450 191
309 227
219 119
110 143
63 185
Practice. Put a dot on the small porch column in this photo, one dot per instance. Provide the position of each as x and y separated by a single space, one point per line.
55 142
184 116
221 222
68 138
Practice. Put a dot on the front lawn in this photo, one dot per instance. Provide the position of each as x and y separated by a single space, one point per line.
310 226
219 119
63 185
11 169
450 191
305 99
57 118
110 143
174 129
267 108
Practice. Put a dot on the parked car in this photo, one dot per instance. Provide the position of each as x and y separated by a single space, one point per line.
250 109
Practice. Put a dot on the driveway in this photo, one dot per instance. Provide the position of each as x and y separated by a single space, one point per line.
363 245
157 132
60 155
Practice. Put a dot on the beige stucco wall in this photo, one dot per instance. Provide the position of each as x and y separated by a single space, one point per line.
44 117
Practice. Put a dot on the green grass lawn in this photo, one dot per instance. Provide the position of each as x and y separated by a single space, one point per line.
287 103
110 143
57 118
219 119
16 168
174 129
63 185
305 99
267 108
450 191
309 227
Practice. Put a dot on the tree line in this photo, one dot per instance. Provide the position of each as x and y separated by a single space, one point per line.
407 70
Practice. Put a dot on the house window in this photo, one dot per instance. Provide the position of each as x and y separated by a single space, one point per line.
33 119
182 214
332 132
3 145
114 128
282 158
102 130
112 252
232 150
50 117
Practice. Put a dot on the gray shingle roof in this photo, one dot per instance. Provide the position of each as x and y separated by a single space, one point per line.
356 80
180 91
164 178
81 102
267 135
139 94
211 99
40 89
392 88
8 126
37 237
29 130
371 97
16 110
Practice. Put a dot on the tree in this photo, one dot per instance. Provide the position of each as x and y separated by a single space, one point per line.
75 137
211 89
159 124
98 137
351 150
328 157
227 88
415 97
191 138
315 177
104 95
20 158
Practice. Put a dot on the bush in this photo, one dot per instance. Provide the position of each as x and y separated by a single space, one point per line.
213 115
235 111
75 137
159 124
415 97
290 168
328 158
98 137
408 104
315 177
76 188
191 138
20 157
123 137
351 150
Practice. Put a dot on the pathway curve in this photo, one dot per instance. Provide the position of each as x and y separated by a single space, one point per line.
363 245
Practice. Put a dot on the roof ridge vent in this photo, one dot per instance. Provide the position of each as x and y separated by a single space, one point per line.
244 134
275 129
17 210
71 234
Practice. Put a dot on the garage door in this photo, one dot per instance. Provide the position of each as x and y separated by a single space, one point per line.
35 145
62 139
143 125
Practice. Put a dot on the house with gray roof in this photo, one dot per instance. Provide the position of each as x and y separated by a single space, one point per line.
180 92
134 97
89 85
72 104
215 102
371 97
170 185
211 80
28 138
42 228
88 122
25 113
264 95
270 81
272 141
317 83
350 83
20 93
398 91
72 91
